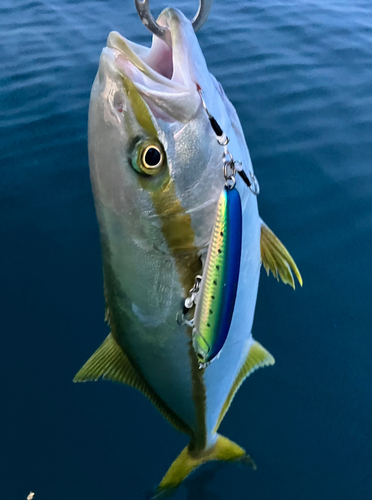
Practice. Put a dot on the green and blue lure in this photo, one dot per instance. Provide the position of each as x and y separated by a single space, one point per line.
216 298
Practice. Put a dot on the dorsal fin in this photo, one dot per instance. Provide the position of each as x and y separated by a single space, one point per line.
276 258
111 363
257 357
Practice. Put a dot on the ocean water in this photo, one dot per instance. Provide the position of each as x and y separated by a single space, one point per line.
300 76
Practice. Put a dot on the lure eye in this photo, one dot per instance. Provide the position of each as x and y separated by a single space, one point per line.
149 157
152 157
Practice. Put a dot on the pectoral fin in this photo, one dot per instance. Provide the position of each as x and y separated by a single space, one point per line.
257 357
276 258
111 363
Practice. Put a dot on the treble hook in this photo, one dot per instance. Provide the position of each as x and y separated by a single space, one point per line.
162 32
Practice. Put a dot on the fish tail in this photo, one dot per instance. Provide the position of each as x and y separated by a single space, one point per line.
187 461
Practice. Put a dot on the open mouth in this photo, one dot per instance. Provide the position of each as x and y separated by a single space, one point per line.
163 75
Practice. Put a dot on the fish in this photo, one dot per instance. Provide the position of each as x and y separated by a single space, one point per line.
156 174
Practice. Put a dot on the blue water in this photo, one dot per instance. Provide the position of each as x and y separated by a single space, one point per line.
300 75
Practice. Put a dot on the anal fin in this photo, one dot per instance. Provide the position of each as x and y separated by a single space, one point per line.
110 362
276 258
257 357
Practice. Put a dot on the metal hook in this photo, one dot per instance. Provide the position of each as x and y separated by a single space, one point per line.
162 32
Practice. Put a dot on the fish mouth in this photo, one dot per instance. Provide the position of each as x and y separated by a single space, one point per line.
165 75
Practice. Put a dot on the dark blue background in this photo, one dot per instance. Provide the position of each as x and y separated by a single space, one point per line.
299 74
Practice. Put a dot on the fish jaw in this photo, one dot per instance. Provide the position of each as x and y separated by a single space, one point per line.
166 76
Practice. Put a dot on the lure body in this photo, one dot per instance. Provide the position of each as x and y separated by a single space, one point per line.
216 299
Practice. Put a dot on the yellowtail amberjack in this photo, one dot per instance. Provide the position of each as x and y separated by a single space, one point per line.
156 174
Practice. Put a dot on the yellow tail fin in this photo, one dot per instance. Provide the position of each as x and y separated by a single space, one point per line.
187 462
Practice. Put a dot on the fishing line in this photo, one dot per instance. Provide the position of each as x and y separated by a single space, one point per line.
228 162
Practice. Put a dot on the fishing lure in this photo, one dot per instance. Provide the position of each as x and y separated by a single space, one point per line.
216 298
215 292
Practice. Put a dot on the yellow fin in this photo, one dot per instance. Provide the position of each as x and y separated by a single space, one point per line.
111 363
257 357
187 462
276 258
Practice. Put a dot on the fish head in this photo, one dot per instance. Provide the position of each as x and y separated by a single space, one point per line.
153 153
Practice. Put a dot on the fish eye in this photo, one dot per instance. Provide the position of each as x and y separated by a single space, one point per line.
149 157
152 157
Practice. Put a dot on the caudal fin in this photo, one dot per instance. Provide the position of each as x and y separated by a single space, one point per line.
187 462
